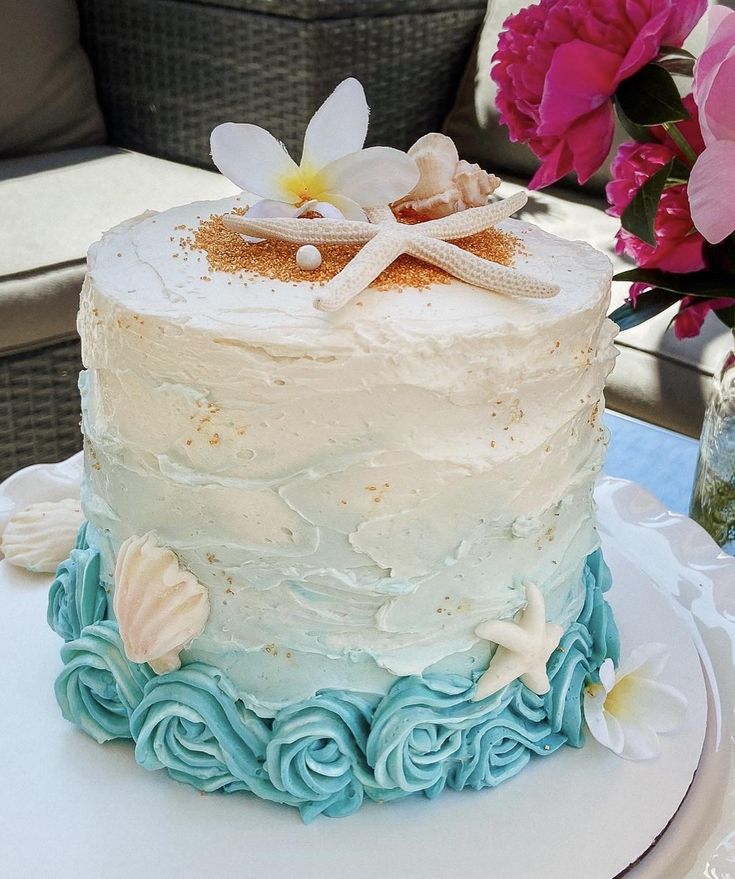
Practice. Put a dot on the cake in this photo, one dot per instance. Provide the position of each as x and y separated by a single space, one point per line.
337 555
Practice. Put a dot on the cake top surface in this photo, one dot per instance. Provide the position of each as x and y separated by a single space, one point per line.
150 266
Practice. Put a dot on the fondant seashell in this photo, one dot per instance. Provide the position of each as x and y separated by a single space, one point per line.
42 535
447 184
160 607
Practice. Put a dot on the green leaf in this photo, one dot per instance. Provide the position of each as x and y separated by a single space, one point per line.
638 132
677 66
650 97
703 283
638 218
679 171
676 52
649 304
727 316
676 60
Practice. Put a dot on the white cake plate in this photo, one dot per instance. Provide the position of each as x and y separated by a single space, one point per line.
72 808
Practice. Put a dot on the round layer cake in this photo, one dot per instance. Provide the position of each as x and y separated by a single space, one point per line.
355 493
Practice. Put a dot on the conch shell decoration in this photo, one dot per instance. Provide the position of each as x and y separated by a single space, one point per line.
446 184
160 607
42 535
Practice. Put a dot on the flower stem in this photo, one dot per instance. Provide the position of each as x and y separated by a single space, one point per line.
679 139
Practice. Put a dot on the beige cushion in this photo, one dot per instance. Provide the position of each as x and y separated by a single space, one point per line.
657 377
54 207
48 97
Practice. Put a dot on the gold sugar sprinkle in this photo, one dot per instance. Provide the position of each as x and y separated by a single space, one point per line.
227 252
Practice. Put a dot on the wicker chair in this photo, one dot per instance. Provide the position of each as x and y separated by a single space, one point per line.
166 72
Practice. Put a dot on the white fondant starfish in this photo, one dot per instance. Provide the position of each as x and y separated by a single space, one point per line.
385 240
524 648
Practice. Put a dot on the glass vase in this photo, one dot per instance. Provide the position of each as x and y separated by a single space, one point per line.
713 497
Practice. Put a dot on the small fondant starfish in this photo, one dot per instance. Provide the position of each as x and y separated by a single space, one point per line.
385 240
524 648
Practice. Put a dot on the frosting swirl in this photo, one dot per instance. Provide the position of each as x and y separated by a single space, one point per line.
323 754
98 688
503 741
417 733
77 597
191 723
317 752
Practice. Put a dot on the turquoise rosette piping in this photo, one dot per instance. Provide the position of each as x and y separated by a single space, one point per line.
513 728
416 734
77 597
323 755
191 723
582 650
98 688
317 752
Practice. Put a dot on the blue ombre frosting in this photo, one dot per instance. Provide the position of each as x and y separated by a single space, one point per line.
77 597
99 687
326 754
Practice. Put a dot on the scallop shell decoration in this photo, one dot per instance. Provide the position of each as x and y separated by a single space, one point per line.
160 607
42 535
447 184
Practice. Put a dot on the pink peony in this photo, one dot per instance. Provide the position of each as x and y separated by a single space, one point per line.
692 313
559 63
678 248
712 181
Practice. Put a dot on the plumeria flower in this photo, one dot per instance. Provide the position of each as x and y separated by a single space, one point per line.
336 176
626 711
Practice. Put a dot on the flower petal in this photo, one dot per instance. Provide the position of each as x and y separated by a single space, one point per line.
690 317
568 96
616 736
718 117
603 726
712 191
371 177
664 706
555 164
589 139
640 741
648 660
682 19
325 208
347 208
254 160
594 703
721 32
269 208
338 128
607 674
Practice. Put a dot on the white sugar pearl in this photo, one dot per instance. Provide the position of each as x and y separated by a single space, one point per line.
308 257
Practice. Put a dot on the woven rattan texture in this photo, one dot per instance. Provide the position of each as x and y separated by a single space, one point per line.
39 406
168 71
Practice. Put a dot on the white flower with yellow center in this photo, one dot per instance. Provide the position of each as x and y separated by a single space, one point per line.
627 710
336 177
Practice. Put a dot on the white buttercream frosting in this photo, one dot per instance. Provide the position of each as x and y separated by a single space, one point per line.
347 486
